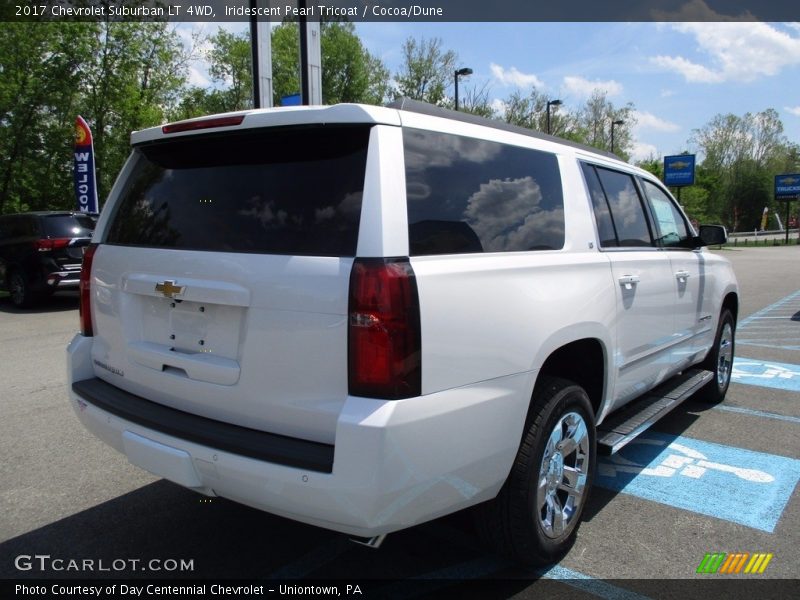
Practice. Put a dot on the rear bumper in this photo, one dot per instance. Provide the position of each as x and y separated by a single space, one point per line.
394 463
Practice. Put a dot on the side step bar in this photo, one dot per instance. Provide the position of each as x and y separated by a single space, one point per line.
623 426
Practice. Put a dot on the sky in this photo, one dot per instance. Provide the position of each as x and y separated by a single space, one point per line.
678 76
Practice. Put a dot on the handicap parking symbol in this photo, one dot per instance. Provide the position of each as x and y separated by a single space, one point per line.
766 374
743 486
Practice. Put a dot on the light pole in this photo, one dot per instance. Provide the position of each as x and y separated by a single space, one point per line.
549 104
460 73
613 123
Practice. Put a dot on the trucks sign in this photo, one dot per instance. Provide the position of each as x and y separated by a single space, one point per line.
787 186
679 170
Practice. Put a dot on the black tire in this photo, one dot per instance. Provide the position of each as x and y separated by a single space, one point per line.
19 290
521 522
720 360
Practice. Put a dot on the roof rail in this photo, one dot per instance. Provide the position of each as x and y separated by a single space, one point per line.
424 108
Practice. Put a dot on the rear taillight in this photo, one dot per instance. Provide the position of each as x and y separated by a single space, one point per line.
384 353
85 288
52 244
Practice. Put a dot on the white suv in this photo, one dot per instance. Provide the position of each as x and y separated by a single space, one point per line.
365 317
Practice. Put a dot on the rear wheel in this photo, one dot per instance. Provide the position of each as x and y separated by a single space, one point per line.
720 360
536 515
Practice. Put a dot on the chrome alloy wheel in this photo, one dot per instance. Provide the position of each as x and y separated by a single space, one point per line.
725 355
562 475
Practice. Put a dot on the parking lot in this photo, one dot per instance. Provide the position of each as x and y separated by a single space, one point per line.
707 479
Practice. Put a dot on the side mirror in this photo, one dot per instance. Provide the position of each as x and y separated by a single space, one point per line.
713 235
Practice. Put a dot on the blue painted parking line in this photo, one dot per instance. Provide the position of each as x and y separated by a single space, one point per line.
757 413
738 485
774 326
779 376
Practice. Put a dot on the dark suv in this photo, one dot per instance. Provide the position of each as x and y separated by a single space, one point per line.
41 252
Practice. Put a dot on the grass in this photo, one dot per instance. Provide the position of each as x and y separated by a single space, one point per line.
760 243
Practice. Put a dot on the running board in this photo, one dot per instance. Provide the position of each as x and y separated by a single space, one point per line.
624 425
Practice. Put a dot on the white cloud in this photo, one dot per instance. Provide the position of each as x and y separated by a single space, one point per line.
646 120
584 88
198 78
795 110
736 51
643 151
691 71
498 106
665 93
515 77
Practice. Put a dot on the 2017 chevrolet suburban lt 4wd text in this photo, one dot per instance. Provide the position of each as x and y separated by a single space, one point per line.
364 318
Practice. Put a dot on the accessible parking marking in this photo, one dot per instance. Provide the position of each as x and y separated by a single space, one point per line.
779 376
734 484
775 326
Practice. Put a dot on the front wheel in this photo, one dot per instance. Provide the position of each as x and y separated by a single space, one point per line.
18 289
536 515
720 360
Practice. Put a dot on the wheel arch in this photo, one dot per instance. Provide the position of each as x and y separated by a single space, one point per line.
584 361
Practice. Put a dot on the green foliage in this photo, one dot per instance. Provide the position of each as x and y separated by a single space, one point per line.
427 71
742 156
349 72
41 66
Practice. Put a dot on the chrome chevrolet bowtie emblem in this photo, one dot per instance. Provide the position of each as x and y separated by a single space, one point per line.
169 289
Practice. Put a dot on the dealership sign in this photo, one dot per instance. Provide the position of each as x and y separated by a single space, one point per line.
679 170
84 177
787 186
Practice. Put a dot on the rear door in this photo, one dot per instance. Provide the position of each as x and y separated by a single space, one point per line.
220 287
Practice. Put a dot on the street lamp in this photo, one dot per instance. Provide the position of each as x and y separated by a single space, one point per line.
613 123
461 73
549 104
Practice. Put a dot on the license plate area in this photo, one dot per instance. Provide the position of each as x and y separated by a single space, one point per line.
191 327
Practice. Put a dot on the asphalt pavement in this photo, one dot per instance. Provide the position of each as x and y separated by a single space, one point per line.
706 480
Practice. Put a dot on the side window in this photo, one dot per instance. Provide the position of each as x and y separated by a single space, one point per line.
605 225
627 211
467 195
671 228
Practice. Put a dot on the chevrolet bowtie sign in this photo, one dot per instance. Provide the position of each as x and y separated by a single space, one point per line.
169 288
787 186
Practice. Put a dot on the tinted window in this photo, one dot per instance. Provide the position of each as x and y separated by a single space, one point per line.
67 226
291 191
671 227
627 212
605 225
468 195
18 226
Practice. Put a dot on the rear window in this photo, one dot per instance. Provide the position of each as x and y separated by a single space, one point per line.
290 191
467 195
67 226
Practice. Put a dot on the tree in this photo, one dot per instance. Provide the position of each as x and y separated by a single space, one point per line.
349 72
41 66
232 68
131 79
427 71
476 101
744 153
531 111
593 124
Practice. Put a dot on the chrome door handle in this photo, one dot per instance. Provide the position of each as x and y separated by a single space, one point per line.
629 281
682 274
